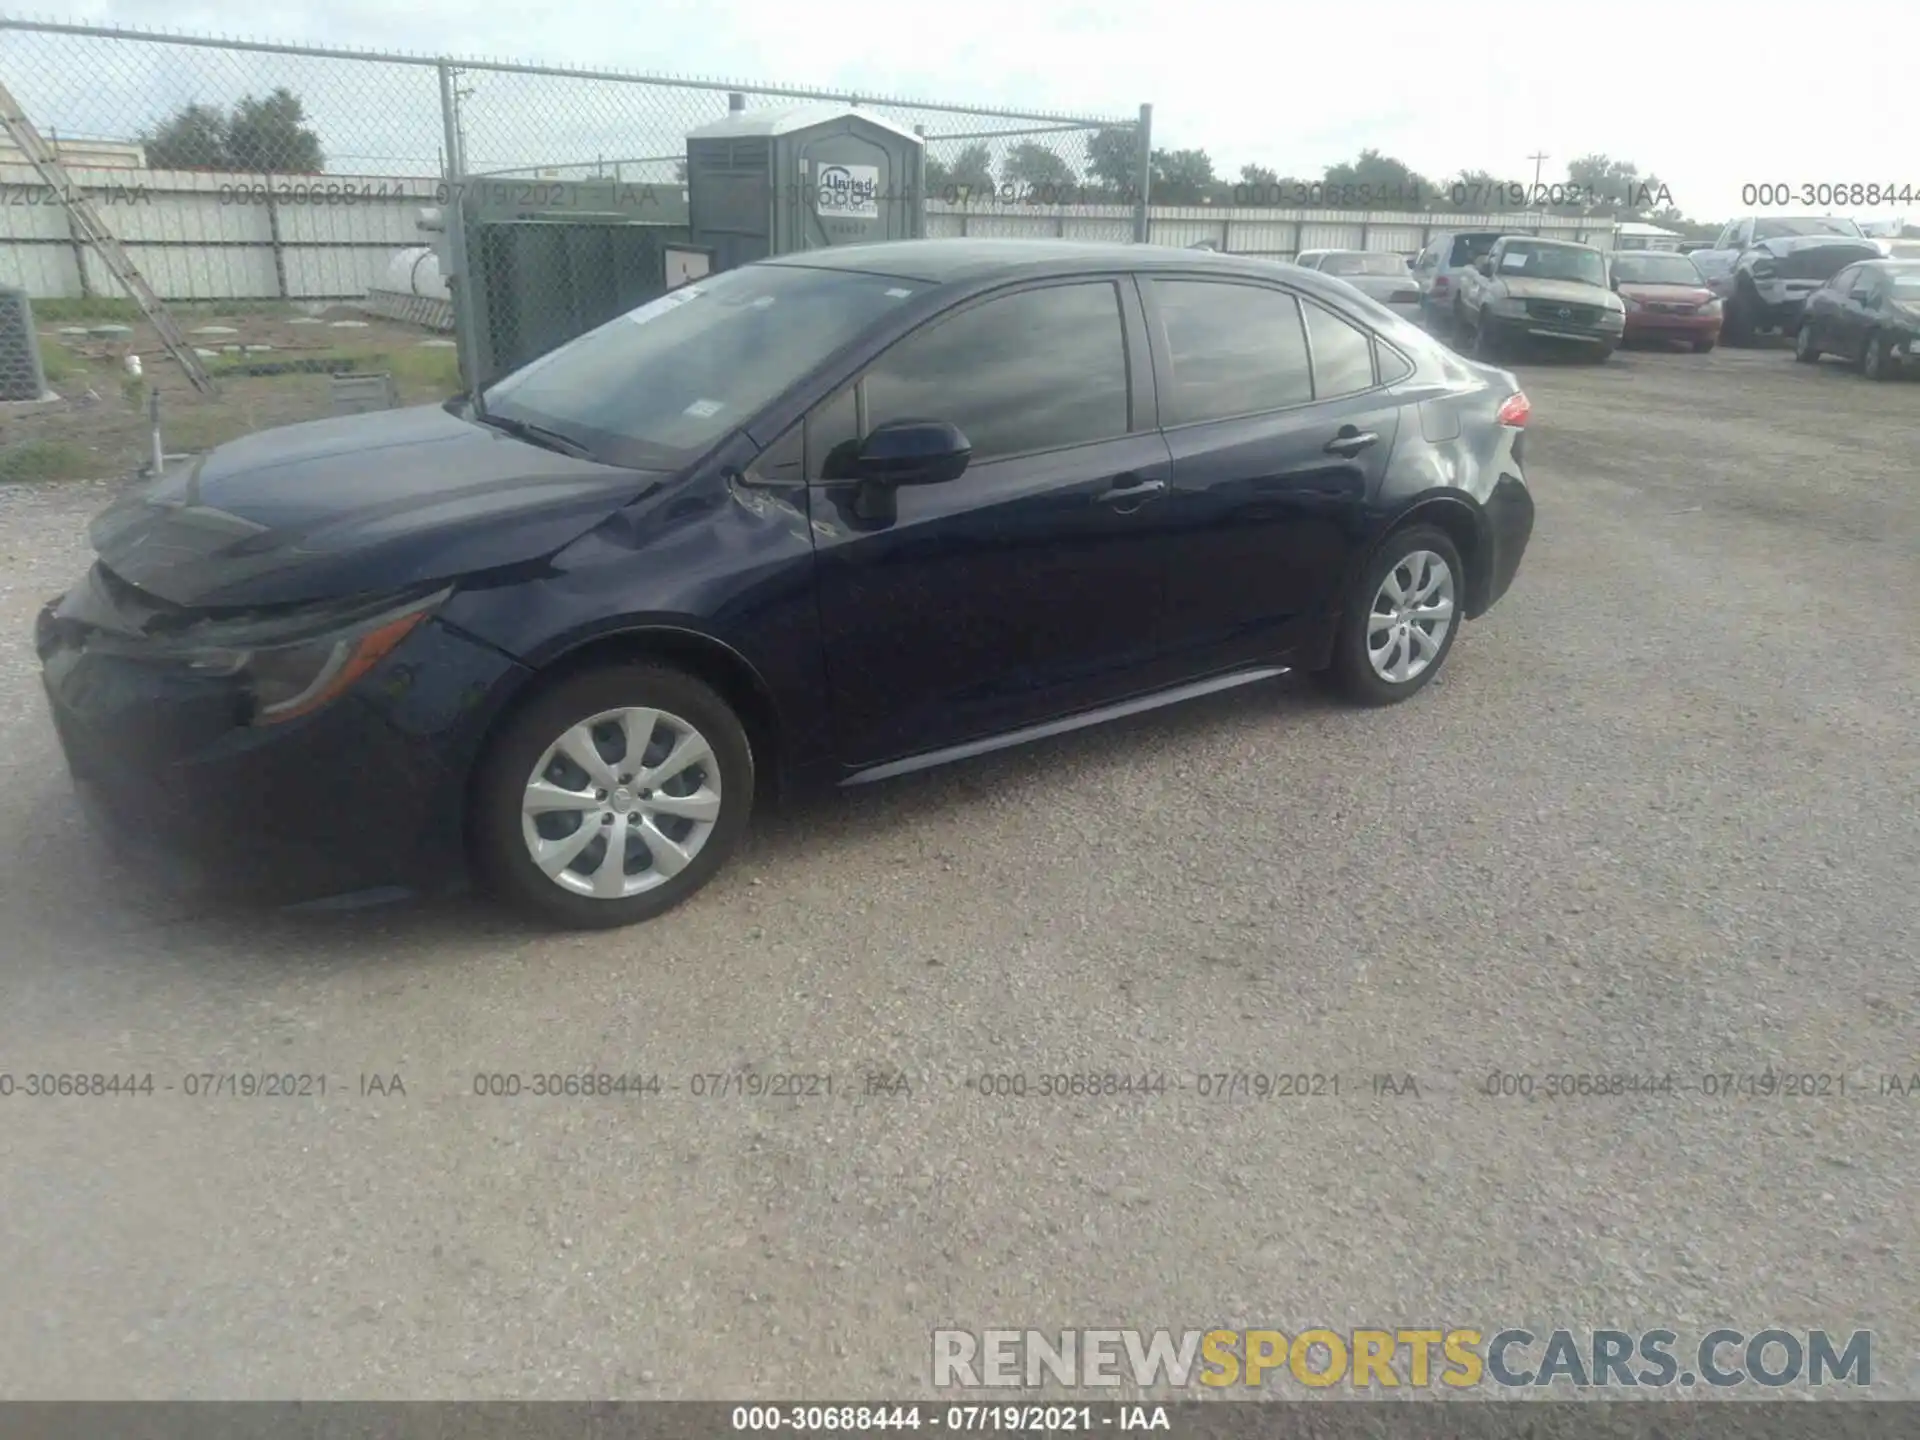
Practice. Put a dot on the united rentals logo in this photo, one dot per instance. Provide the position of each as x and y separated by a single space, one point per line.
849 190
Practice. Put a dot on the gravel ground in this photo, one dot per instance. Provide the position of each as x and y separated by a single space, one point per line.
1658 815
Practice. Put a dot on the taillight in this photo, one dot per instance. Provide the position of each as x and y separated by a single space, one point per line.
1517 410
1440 282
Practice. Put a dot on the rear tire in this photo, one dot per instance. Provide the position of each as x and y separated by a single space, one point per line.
1377 632
579 738
1804 348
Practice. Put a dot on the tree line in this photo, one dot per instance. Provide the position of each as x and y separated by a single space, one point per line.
1592 184
270 134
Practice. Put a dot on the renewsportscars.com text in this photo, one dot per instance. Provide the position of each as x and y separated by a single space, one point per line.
1397 1357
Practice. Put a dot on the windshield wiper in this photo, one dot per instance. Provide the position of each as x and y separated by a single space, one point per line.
535 435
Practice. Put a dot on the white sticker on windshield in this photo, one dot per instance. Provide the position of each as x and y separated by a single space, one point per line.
1514 260
895 294
672 300
701 409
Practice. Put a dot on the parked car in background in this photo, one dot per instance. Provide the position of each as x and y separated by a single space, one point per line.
1438 270
1379 274
1541 289
1665 298
820 520
1763 268
1690 247
1870 314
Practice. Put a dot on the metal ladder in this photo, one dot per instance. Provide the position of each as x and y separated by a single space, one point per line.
94 231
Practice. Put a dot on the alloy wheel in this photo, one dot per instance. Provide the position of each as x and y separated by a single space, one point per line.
1411 614
621 803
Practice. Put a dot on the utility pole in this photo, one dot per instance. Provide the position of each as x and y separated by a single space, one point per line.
1538 161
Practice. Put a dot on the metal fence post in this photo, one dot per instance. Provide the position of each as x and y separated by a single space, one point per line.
273 236
1143 175
453 218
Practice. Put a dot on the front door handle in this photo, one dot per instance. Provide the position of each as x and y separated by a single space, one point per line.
1350 442
1131 490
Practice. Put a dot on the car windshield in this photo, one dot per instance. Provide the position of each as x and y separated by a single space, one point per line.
1824 225
1542 260
1646 269
1359 264
660 383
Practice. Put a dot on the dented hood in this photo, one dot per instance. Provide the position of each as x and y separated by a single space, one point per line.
352 505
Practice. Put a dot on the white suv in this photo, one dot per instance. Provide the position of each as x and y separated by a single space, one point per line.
1438 269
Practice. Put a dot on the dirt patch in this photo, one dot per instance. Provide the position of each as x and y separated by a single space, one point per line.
101 430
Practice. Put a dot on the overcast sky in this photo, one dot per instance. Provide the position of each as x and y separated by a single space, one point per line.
1710 97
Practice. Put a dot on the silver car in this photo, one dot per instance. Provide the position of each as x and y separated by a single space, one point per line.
1378 274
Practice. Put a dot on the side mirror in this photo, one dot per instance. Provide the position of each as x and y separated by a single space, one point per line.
913 452
905 452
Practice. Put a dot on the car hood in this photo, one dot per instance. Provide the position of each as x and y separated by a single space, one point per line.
1660 294
1789 244
356 504
1574 292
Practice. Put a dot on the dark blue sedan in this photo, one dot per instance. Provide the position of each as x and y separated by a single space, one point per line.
820 520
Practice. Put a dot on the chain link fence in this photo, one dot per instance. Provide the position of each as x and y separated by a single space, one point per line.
301 213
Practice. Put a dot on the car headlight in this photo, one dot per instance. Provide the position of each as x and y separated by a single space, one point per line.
1708 307
1628 302
1761 270
317 661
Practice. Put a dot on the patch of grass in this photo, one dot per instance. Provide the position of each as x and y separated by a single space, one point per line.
47 460
201 429
423 367
414 368
117 309
59 363
120 310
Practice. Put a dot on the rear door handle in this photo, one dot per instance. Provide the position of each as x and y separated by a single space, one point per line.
1350 442
1131 490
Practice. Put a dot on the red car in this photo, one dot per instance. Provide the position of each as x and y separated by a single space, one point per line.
1666 298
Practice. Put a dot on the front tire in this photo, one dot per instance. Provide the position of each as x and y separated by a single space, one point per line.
1399 620
1485 344
1736 325
1874 363
1804 348
1702 347
612 797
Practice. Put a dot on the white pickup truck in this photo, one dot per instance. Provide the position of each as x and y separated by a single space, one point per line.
1763 268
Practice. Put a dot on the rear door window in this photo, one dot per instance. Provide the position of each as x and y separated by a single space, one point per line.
1233 350
1469 248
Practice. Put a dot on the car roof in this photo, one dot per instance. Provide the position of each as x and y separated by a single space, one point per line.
1570 244
970 259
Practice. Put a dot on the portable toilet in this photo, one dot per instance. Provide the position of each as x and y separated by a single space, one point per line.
772 182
